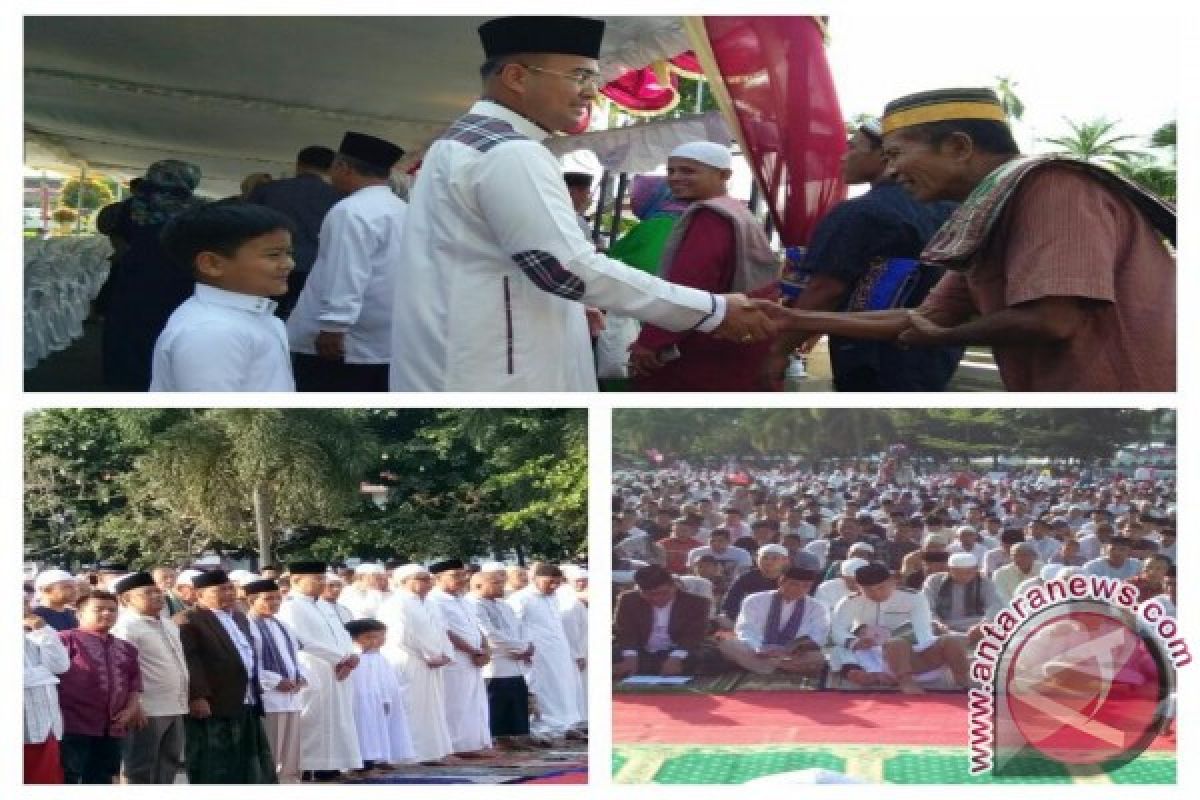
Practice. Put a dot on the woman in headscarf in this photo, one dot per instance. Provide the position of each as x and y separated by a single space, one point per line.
145 286
642 247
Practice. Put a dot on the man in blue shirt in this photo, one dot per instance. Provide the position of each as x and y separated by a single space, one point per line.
845 260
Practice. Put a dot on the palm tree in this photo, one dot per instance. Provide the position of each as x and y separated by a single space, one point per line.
1013 106
1094 141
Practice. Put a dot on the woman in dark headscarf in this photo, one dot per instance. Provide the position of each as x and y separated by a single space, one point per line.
145 286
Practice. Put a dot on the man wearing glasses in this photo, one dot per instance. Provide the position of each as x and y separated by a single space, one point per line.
495 272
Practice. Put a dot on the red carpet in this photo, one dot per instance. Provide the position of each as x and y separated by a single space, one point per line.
802 717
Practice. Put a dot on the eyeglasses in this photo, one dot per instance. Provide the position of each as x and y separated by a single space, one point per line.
581 77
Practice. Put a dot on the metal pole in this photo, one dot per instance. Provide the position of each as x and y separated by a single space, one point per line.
699 95
622 185
601 202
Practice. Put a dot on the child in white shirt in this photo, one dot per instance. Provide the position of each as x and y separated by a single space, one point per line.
383 732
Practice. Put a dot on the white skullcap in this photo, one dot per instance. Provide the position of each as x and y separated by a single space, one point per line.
860 546
771 550
494 566
852 565
1050 571
963 560
573 572
240 576
710 153
51 576
333 576
185 578
370 568
961 529
407 571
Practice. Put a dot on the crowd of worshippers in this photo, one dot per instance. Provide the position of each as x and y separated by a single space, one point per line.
884 583
303 674
372 286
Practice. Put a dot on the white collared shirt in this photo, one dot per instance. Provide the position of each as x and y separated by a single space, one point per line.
222 341
350 287
495 270
161 659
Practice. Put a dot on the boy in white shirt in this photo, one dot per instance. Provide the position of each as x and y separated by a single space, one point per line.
225 337
383 732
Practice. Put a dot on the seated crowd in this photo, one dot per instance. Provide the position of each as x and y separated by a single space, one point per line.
877 582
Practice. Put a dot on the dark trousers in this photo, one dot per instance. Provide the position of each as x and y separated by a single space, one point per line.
318 375
508 706
90 759
154 754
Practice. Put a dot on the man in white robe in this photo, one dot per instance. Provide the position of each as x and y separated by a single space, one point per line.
781 630
466 693
512 655
368 591
515 253
328 741
419 649
572 604
554 679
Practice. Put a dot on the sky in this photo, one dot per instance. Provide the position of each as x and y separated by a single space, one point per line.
1123 66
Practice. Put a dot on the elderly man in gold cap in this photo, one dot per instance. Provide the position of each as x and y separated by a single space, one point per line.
1059 265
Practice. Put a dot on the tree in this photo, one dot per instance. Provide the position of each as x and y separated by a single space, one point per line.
1094 141
1013 106
223 469
1164 137
88 196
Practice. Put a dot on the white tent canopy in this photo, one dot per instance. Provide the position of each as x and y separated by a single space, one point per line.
237 95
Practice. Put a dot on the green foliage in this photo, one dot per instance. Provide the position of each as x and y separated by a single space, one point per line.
92 195
822 433
161 485
1094 141
1006 90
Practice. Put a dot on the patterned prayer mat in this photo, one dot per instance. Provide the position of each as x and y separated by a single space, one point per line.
727 682
726 764
504 768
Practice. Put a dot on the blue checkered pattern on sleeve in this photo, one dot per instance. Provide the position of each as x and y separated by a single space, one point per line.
480 132
549 274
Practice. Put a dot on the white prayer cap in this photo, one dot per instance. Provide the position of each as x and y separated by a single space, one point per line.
51 576
771 550
961 529
963 560
852 565
333 577
185 578
494 566
710 153
861 546
573 572
1050 571
240 576
407 571
370 568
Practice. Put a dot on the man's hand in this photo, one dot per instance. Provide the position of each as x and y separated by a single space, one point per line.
438 661
331 345
672 666
596 321
923 332
643 360
287 686
481 659
199 708
745 320
625 667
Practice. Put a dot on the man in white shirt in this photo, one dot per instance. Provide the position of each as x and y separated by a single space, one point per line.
466 692
340 330
884 635
495 301
281 676
1024 565
781 630
1116 562
833 590
45 658
154 753
368 591
554 679
512 655
328 739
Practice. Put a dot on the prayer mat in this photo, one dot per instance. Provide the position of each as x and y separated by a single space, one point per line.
569 776
720 683
730 764
941 683
780 682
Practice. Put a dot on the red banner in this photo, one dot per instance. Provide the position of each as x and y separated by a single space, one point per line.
775 78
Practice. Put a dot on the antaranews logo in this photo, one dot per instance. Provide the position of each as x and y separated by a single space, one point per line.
1075 672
